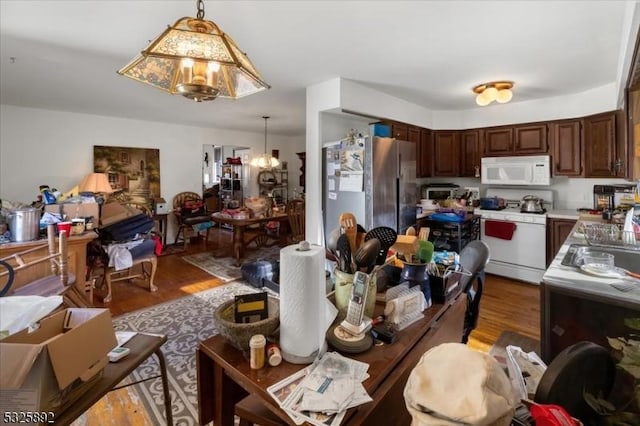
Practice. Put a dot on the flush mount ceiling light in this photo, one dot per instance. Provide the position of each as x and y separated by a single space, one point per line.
195 59
265 161
499 91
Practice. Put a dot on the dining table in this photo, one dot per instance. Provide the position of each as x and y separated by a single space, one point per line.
239 227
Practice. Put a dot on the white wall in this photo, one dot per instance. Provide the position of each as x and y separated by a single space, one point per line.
55 148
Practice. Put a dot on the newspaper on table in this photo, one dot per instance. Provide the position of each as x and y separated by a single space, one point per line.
322 392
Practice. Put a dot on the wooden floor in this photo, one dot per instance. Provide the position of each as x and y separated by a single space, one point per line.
506 305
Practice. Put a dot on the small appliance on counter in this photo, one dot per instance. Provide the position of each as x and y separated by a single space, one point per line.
624 196
439 191
492 203
603 197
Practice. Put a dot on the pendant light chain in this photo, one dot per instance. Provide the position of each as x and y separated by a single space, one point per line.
266 117
200 14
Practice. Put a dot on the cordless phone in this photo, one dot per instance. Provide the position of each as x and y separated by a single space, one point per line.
355 321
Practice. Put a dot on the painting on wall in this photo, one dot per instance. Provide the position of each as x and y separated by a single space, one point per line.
134 173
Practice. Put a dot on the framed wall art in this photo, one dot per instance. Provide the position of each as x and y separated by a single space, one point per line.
134 173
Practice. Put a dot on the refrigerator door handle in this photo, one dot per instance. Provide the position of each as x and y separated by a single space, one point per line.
399 165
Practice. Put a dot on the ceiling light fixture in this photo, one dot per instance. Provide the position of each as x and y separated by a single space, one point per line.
195 59
265 161
499 91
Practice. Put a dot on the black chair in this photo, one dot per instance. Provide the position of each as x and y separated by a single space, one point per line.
473 258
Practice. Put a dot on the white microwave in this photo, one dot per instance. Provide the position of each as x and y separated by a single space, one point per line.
529 170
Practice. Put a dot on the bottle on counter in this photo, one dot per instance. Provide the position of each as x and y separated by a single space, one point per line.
273 355
257 345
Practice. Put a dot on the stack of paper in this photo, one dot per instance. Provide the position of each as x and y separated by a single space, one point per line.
322 392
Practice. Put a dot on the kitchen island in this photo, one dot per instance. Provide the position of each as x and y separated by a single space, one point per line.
576 306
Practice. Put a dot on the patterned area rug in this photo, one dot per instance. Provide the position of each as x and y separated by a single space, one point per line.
224 268
506 338
185 322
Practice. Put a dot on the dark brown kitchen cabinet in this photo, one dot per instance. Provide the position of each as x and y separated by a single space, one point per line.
424 151
557 232
445 153
400 131
566 140
470 153
498 141
600 146
530 139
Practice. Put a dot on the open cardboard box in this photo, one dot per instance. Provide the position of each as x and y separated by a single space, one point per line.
115 212
42 370
73 210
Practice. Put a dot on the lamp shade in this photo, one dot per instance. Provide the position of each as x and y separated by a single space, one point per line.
97 183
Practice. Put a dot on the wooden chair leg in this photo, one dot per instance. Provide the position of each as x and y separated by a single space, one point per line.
154 266
107 280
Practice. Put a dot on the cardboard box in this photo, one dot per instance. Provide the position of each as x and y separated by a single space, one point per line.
115 212
73 210
42 370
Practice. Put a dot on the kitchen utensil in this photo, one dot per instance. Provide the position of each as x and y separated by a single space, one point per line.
24 224
349 225
614 272
492 203
360 236
410 231
387 237
343 249
532 204
424 233
332 240
407 245
365 256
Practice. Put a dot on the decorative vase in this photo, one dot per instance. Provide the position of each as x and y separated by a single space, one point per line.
417 274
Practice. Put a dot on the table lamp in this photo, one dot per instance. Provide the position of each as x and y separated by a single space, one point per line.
97 184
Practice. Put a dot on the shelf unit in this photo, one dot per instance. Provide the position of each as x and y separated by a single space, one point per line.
280 190
452 236
230 183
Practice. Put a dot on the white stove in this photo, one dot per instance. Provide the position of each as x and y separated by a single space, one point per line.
516 240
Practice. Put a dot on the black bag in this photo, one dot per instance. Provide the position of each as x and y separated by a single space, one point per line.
126 229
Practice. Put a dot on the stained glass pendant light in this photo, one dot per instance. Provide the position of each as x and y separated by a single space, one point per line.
197 60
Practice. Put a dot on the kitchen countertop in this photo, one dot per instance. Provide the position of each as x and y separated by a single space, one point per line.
571 214
572 279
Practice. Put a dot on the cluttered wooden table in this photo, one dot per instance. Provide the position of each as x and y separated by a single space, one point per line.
225 376
241 225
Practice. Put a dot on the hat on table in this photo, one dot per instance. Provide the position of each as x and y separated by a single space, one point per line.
454 384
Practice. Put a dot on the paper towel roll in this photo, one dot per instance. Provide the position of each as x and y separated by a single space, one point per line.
303 319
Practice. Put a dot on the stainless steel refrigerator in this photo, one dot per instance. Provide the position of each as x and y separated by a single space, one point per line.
389 191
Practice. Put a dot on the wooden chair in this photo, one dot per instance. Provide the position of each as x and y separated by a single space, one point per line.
295 213
186 222
59 283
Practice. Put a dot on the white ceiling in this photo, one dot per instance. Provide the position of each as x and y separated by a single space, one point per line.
430 53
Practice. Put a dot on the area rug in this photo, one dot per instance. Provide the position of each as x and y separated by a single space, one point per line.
506 338
185 322
224 268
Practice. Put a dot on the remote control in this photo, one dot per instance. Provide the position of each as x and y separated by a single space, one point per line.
118 353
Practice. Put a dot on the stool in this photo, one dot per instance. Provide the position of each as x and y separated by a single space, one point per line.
150 260
252 411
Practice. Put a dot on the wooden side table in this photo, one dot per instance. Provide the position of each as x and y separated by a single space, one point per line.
161 219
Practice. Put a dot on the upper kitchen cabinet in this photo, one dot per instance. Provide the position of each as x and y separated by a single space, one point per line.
446 146
470 153
600 146
566 140
424 151
400 131
530 139
498 141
